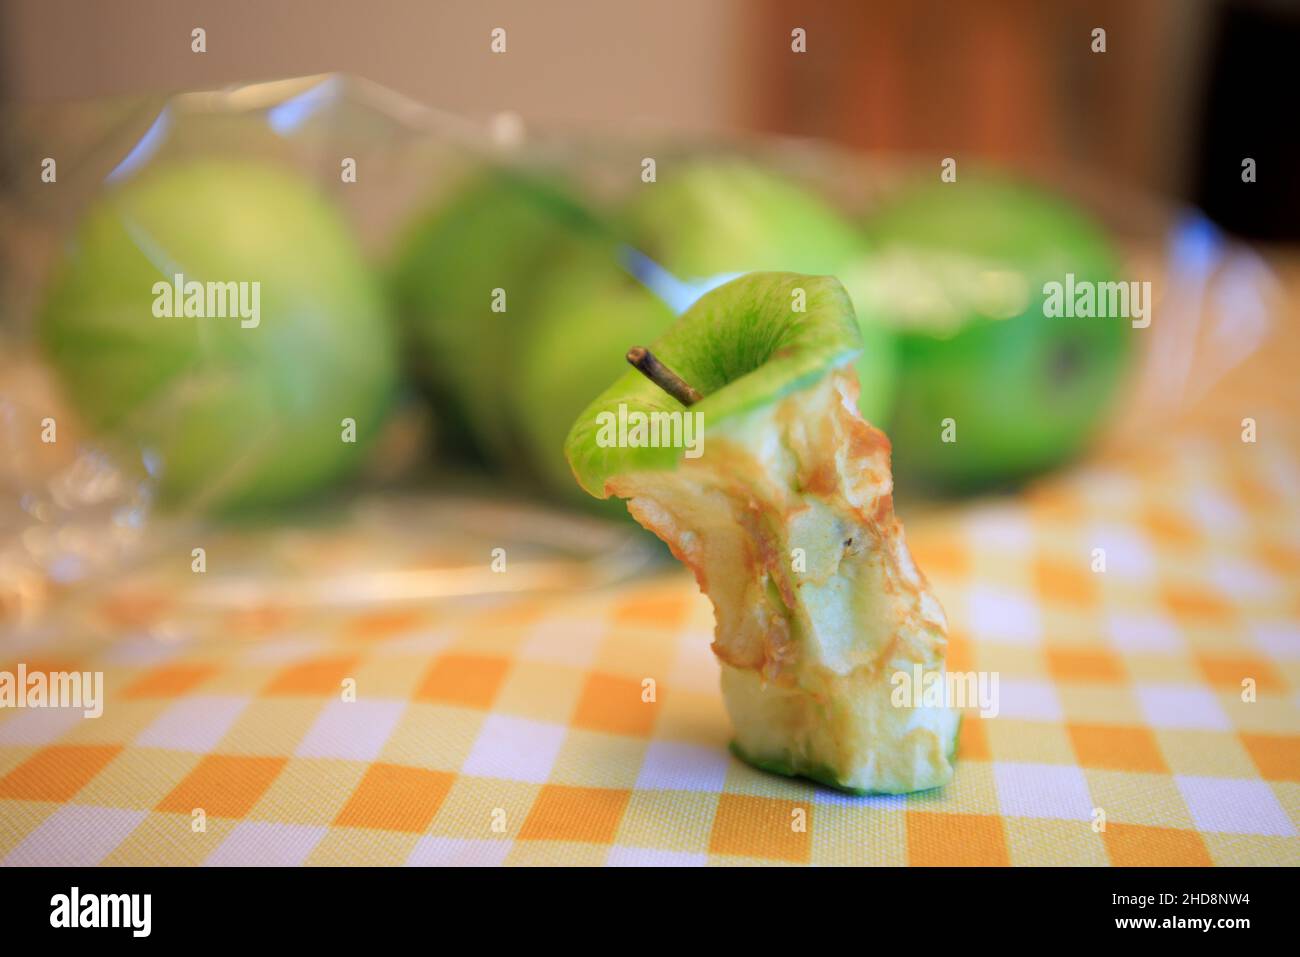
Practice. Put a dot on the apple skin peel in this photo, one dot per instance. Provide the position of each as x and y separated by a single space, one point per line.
787 522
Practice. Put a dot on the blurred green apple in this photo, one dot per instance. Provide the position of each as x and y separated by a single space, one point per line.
468 282
958 269
592 312
238 376
722 216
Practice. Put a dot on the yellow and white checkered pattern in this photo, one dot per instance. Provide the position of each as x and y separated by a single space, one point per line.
519 733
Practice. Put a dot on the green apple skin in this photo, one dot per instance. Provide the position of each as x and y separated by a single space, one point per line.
238 417
501 229
785 515
739 348
959 270
715 216
592 312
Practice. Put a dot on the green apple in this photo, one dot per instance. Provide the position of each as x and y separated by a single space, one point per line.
468 283
724 216
589 311
778 495
958 269
244 407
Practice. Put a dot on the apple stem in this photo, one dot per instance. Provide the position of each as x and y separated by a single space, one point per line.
645 362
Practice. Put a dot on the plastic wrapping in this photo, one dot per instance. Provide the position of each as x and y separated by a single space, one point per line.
81 515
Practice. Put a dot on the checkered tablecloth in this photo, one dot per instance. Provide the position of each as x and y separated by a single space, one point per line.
518 733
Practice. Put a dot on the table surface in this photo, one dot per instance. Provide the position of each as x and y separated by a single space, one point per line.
515 731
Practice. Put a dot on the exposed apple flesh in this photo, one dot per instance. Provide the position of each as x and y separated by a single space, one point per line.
787 521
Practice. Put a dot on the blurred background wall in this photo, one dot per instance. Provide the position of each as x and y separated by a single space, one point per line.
1184 89
567 61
